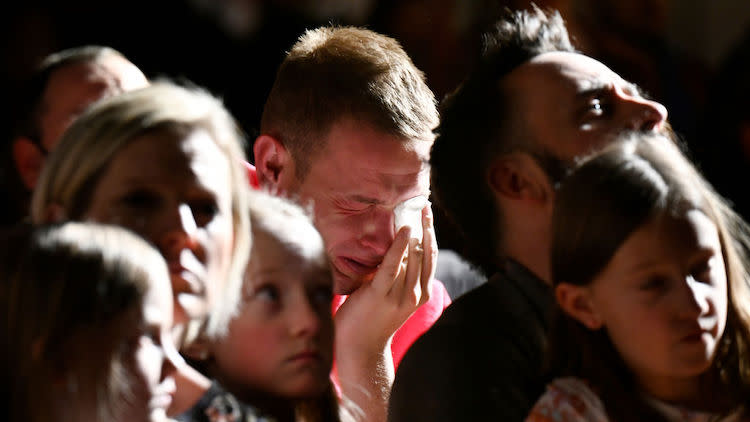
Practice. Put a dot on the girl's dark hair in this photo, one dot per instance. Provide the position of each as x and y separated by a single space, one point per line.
69 295
606 199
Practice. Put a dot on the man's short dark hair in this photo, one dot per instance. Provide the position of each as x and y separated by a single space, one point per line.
477 125
334 72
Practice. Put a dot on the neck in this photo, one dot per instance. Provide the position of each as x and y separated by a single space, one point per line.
532 256
280 408
191 385
690 392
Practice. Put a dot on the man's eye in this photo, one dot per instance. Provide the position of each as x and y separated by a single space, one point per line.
596 106
354 207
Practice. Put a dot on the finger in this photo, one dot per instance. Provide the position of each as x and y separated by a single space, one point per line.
429 260
409 290
393 261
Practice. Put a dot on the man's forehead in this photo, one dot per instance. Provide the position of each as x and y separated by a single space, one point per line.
582 71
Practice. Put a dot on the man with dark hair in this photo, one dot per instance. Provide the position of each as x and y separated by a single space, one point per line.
64 84
506 137
348 127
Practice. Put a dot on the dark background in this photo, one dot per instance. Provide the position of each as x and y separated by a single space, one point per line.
677 50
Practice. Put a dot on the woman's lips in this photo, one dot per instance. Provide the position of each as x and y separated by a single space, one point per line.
185 281
163 396
161 401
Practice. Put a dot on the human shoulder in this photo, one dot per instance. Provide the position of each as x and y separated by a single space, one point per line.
479 358
502 304
217 404
568 400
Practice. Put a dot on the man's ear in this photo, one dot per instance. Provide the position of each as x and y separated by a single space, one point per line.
518 176
272 161
576 302
28 160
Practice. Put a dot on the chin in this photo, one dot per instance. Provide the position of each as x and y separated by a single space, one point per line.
308 388
695 365
343 285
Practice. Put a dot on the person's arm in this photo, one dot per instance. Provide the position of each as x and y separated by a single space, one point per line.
366 322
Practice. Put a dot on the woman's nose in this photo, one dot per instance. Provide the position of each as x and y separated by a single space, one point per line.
179 231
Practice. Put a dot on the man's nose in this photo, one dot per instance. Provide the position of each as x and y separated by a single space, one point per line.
643 114
377 232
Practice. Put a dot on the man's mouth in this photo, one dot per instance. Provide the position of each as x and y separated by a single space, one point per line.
356 267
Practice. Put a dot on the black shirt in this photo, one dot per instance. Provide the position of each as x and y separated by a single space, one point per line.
482 360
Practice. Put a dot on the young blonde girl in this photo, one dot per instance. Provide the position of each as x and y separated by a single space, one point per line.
278 351
86 314
651 279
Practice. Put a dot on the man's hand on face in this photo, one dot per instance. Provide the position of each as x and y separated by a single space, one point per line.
372 314
366 322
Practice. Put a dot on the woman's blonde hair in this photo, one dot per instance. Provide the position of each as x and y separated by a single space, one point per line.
69 296
89 145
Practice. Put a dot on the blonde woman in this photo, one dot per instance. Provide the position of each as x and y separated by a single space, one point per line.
166 162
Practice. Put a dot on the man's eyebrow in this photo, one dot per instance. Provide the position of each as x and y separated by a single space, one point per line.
592 90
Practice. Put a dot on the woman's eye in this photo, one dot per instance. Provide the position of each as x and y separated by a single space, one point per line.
204 211
141 200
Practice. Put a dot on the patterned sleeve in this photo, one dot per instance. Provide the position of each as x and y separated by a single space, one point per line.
568 400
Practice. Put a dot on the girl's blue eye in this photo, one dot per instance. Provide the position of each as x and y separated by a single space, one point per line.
268 293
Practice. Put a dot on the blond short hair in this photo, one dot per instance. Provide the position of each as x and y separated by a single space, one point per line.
335 72
89 145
